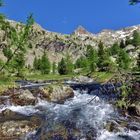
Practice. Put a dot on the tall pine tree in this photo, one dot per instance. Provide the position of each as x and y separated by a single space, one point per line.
62 67
45 64
115 49
136 38
92 58
123 60
69 64
122 44
54 68
101 56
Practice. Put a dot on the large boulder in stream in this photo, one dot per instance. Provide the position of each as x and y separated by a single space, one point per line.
59 132
16 126
134 98
66 131
16 129
83 79
23 97
134 109
57 93
4 100
18 97
8 114
112 126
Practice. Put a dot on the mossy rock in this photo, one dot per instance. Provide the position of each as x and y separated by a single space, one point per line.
112 127
57 93
58 132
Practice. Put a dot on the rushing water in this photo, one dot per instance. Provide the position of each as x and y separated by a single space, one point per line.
80 118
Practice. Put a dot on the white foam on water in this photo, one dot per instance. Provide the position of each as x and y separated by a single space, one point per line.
96 114
82 111
106 135
26 110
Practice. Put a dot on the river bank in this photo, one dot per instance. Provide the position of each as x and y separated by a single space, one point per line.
81 107
66 112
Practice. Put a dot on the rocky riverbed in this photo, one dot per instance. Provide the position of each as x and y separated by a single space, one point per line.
61 112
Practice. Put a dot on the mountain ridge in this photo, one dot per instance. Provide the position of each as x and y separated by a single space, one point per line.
80 26
58 44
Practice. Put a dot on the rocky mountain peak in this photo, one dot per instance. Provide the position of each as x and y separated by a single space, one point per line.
58 44
81 31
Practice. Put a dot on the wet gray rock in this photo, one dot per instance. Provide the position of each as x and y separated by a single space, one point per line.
134 126
134 109
16 129
125 137
26 94
4 100
15 126
137 106
57 93
112 126
18 97
8 114
23 97
83 79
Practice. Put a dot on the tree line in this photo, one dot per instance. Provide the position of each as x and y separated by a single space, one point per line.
104 58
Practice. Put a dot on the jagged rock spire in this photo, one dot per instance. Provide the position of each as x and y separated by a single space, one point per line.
80 30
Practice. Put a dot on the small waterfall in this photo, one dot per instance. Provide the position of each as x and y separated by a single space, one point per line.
89 119
79 117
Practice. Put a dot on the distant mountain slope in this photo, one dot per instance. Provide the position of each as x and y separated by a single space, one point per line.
75 44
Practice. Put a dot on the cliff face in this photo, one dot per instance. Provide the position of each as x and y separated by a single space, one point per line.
58 44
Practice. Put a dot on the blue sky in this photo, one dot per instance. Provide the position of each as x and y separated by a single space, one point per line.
65 15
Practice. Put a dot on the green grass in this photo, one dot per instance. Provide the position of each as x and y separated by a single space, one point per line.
102 77
9 81
37 77
98 76
6 82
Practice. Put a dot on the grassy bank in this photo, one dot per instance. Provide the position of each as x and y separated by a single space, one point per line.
7 81
39 77
102 77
